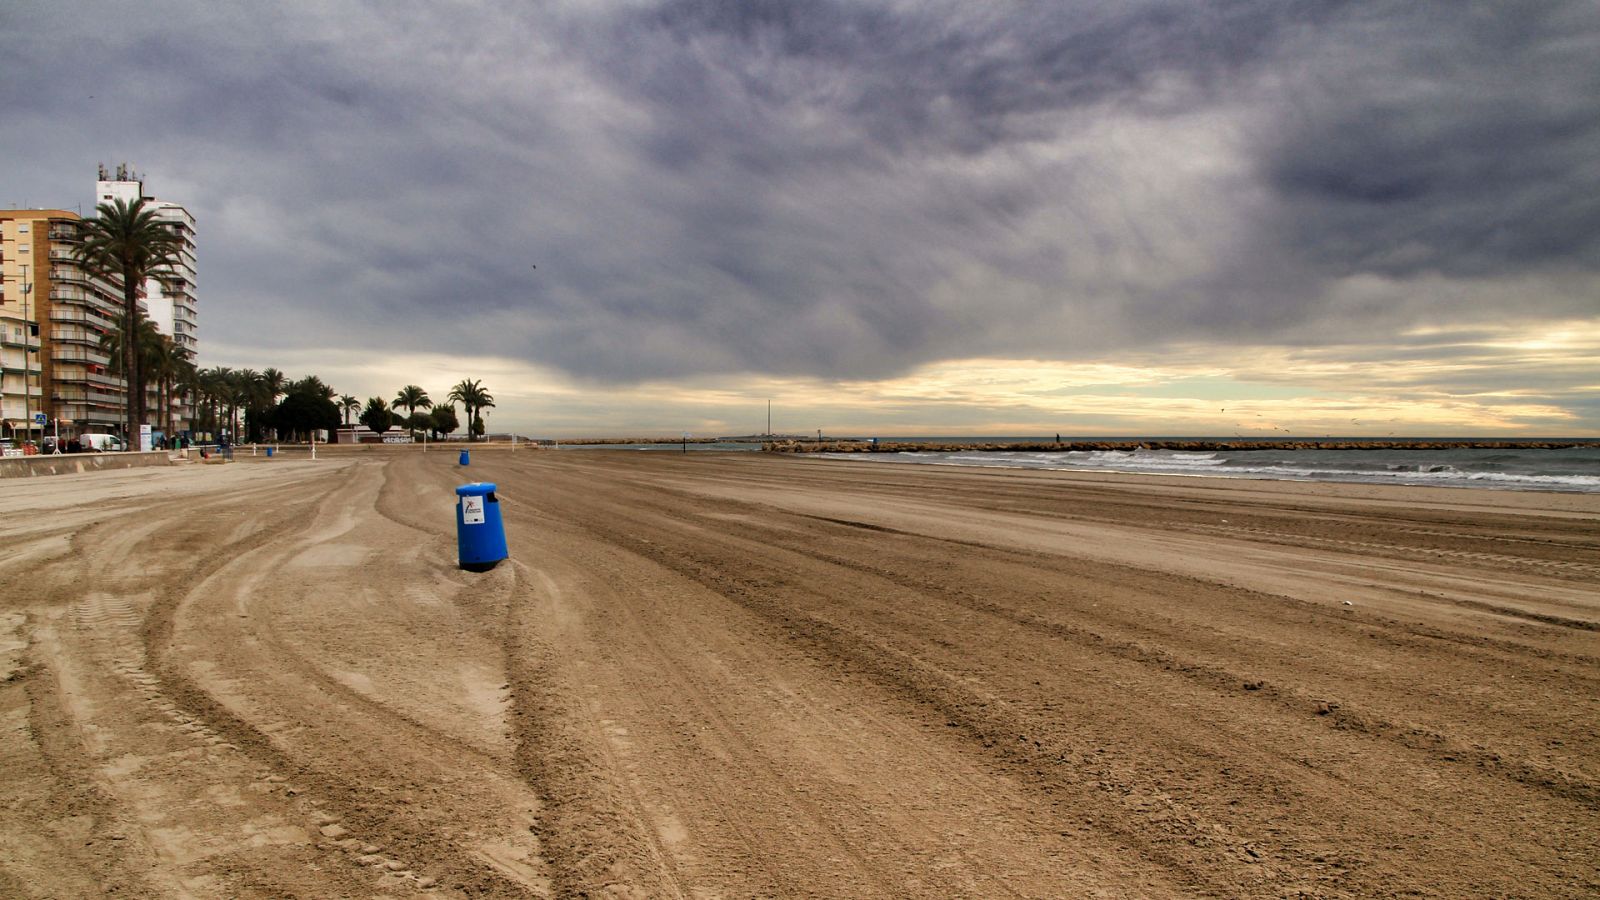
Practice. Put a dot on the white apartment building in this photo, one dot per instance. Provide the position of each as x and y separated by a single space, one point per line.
171 304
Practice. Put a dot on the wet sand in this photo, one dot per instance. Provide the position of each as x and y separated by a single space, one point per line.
755 675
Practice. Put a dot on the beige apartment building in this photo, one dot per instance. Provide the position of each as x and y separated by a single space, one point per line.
55 314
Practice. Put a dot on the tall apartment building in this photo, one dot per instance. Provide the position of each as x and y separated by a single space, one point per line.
21 378
170 305
168 302
55 314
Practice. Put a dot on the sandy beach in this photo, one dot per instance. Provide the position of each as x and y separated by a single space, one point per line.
756 675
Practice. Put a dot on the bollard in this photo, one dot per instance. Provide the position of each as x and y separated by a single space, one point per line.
464 460
480 535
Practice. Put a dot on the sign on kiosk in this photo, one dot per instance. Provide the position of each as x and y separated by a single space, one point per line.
146 443
472 509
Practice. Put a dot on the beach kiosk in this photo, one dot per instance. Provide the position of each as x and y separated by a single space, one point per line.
480 535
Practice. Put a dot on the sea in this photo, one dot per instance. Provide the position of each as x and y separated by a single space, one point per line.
1574 470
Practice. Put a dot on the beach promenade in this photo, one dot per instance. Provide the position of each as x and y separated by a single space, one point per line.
753 675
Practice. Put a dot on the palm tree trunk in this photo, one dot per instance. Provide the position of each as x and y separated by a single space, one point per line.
130 354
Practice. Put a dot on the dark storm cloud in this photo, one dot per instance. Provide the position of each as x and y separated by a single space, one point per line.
834 188
1468 143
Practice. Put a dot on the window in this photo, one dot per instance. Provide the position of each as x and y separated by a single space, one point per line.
24 248
22 228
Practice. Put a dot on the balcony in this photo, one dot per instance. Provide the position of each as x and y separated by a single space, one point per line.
79 354
81 314
78 332
76 335
8 340
67 394
110 381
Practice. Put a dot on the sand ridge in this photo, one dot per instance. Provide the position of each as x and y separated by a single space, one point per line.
743 675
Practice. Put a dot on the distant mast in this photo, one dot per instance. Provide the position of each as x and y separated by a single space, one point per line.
769 418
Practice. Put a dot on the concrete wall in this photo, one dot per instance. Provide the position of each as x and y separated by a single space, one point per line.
64 463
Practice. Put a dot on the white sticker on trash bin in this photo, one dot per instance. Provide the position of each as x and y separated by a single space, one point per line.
472 509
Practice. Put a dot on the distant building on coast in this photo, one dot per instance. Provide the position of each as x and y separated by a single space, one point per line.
54 315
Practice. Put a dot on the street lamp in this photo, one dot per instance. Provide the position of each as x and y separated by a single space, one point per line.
27 351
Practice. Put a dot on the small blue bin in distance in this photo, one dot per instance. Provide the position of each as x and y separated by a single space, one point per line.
480 535
464 459
269 452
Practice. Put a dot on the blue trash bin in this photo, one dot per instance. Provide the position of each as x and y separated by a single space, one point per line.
269 452
480 535
464 459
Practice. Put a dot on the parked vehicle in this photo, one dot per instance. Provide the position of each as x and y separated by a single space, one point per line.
101 443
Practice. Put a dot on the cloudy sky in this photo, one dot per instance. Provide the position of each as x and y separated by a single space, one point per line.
1140 217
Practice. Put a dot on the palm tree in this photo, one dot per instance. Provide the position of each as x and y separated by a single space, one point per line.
273 385
312 386
239 391
185 383
411 397
274 382
206 398
348 404
152 348
162 356
127 242
214 384
470 394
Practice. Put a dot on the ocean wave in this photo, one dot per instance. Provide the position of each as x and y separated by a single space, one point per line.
1353 468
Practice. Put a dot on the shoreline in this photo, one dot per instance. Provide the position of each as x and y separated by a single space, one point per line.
858 446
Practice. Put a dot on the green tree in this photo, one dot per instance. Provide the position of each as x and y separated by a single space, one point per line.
419 421
127 243
411 397
377 416
306 407
444 420
471 394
